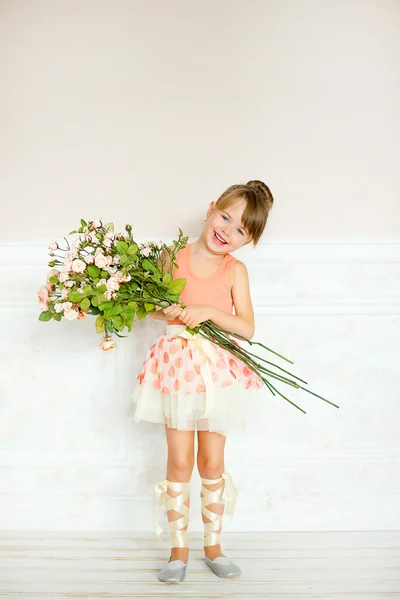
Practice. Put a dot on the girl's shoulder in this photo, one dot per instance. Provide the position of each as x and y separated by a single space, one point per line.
239 270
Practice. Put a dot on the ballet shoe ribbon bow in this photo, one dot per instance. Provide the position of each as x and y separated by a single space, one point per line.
206 351
229 494
159 497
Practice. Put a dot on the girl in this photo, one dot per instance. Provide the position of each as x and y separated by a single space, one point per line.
188 383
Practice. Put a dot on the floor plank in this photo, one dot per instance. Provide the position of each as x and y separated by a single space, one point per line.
343 565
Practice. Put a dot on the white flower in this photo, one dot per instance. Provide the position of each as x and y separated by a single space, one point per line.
113 271
100 261
97 224
112 284
102 282
64 294
52 273
110 235
159 245
69 283
107 343
116 259
107 242
43 295
145 251
74 249
58 307
122 278
78 266
66 305
71 315
89 259
108 294
63 277
69 257
53 245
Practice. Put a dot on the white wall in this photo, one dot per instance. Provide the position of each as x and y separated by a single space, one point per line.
114 108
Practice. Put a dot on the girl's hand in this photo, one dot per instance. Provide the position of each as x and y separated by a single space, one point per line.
171 312
193 314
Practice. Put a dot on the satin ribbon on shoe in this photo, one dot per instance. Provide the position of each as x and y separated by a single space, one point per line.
229 493
206 351
159 497
177 503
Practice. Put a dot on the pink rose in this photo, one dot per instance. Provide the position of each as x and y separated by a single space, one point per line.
100 261
71 314
78 266
107 343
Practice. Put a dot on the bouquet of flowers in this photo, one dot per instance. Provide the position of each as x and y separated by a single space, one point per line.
114 278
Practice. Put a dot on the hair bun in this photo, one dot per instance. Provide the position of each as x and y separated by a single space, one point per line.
263 189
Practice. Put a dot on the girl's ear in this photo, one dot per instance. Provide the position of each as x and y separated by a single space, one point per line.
210 209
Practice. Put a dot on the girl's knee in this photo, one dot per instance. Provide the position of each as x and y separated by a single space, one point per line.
179 470
209 468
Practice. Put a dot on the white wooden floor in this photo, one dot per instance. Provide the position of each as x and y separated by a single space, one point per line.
340 565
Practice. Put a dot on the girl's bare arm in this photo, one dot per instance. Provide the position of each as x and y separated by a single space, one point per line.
243 321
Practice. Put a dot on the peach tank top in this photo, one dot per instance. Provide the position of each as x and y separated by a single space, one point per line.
215 290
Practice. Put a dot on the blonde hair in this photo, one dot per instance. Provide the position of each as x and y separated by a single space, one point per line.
259 201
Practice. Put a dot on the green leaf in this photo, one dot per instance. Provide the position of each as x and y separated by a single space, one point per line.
106 305
141 313
75 296
173 298
109 326
93 311
46 315
118 323
99 324
105 274
100 289
85 303
122 247
124 259
149 266
167 278
53 279
117 309
133 248
148 306
176 285
83 223
87 289
94 301
57 316
93 271
109 227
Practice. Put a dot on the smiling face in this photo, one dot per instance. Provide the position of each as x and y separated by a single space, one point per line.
223 232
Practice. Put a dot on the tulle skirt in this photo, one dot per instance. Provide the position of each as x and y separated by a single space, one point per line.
189 383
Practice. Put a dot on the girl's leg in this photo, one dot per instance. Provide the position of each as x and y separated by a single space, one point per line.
210 462
179 469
